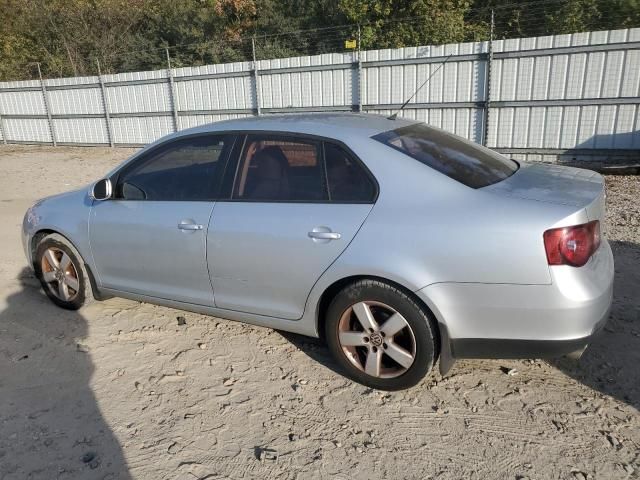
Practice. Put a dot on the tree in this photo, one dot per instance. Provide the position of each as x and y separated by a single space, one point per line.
389 23
68 36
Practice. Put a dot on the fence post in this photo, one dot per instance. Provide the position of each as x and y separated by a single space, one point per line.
3 130
256 76
47 107
487 100
107 118
172 94
359 73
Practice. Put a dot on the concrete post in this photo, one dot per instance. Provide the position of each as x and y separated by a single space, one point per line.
107 118
256 77
47 107
172 94
487 100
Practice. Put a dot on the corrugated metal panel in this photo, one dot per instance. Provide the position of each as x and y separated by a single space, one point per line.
153 97
132 76
83 101
141 129
215 94
212 69
625 128
583 75
27 130
55 82
21 84
22 103
189 121
81 130
456 81
307 89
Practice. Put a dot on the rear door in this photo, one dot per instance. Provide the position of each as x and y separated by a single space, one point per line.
151 238
294 206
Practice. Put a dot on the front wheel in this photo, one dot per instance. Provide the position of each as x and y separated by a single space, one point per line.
61 272
380 336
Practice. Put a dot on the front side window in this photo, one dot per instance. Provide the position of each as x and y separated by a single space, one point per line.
280 169
459 159
186 169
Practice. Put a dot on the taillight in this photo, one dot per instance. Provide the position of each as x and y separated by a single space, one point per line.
572 245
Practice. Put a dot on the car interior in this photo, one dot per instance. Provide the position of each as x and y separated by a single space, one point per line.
270 170
279 170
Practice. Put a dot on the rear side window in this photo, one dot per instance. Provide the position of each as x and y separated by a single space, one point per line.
346 178
469 163
289 168
280 169
186 169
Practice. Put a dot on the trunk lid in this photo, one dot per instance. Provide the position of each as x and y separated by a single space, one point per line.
556 184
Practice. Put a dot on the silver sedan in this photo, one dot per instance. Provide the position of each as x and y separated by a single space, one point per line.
397 243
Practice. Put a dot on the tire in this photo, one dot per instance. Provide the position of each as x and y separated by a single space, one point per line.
385 356
76 292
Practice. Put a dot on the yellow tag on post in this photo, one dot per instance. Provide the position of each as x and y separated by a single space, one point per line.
351 43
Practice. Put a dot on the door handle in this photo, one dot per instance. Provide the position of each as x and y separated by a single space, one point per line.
323 233
189 226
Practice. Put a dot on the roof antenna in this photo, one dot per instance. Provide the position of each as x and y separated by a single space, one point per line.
393 116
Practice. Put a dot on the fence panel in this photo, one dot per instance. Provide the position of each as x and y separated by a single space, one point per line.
454 97
77 111
573 97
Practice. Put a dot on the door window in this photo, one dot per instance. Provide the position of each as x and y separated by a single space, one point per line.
187 169
280 169
348 181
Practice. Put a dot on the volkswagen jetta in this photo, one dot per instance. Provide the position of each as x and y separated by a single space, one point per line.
395 242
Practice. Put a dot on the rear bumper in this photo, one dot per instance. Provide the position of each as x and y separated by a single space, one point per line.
526 321
510 348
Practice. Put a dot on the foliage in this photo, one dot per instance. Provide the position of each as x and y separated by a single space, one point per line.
70 37
433 21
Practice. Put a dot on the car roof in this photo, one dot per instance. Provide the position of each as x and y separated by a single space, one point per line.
331 125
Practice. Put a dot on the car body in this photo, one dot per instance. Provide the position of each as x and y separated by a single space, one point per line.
472 255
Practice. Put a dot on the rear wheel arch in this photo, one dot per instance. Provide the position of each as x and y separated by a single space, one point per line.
336 287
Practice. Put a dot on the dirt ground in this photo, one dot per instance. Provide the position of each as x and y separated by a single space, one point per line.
120 390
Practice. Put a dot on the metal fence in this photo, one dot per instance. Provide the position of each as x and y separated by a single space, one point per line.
569 98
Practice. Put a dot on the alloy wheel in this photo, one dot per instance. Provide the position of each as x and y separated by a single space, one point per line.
377 339
60 274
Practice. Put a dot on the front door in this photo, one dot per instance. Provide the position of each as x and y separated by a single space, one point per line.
290 215
150 238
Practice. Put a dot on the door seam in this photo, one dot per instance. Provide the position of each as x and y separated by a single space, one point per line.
206 252
306 302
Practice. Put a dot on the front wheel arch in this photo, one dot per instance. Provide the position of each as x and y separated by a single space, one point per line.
41 234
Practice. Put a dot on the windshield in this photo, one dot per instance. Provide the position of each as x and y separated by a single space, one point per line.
467 162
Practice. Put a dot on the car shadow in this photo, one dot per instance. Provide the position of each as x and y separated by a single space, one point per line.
315 349
51 424
609 364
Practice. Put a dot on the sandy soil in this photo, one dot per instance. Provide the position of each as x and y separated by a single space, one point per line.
121 390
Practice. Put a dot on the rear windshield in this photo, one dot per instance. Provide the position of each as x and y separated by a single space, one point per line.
460 159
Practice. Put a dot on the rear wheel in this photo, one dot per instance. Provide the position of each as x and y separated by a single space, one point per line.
380 335
61 272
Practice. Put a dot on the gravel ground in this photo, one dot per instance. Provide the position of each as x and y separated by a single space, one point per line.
122 390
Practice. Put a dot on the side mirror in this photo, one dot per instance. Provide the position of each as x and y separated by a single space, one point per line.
101 190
